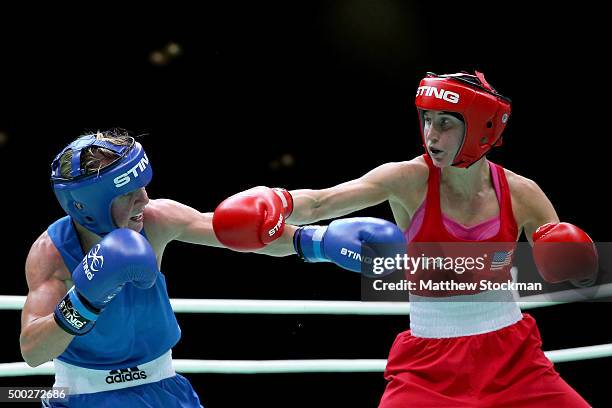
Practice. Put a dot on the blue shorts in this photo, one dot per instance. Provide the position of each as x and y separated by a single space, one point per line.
173 392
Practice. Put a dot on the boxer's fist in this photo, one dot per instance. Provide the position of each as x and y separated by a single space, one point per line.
253 218
123 256
351 243
564 252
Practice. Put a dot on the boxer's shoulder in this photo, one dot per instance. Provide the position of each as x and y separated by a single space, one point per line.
44 260
154 211
409 181
417 170
162 213
411 172
522 189
399 176
162 217
527 197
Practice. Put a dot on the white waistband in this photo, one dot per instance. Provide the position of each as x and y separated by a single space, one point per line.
80 380
466 315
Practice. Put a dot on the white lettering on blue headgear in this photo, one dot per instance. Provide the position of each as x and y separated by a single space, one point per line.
87 198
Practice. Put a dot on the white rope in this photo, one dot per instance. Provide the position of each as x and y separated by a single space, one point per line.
289 307
11 302
254 306
279 366
299 366
579 353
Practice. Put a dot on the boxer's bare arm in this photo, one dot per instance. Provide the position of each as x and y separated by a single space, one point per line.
375 187
169 220
531 205
541 211
283 246
41 338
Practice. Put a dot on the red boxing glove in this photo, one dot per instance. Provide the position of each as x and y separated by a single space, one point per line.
563 252
253 218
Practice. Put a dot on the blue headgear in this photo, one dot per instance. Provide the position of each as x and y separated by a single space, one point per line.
87 198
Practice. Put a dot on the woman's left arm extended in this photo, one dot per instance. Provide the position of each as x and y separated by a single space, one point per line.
173 220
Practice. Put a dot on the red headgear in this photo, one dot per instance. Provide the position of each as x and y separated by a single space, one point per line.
485 112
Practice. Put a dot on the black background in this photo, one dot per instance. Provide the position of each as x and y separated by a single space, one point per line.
330 83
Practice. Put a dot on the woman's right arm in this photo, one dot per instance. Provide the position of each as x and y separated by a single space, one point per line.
373 188
41 338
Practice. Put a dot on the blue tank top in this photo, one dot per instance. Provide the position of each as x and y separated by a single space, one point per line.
137 325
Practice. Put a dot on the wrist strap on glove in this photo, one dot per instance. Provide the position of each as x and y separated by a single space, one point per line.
74 314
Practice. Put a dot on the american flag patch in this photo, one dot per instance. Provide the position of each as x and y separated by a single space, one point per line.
501 260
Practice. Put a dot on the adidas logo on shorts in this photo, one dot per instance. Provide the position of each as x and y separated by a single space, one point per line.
125 375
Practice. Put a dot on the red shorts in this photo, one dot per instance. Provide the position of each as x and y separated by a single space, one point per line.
504 368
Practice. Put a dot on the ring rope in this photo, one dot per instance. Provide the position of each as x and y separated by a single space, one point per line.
300 366
255 306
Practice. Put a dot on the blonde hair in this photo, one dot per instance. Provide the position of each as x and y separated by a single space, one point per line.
94 158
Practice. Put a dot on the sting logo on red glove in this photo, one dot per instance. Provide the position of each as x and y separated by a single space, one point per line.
253 218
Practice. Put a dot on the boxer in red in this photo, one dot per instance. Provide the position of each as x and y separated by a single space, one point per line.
482 353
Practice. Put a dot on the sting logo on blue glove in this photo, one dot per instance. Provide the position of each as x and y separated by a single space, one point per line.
97 262
355 255
351 243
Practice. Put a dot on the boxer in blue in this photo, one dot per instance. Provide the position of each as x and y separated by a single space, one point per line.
97 303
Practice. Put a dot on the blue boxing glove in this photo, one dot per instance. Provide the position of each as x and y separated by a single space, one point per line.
352 243
122 256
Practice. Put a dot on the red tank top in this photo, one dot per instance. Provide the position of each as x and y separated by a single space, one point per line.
433 230
465 261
